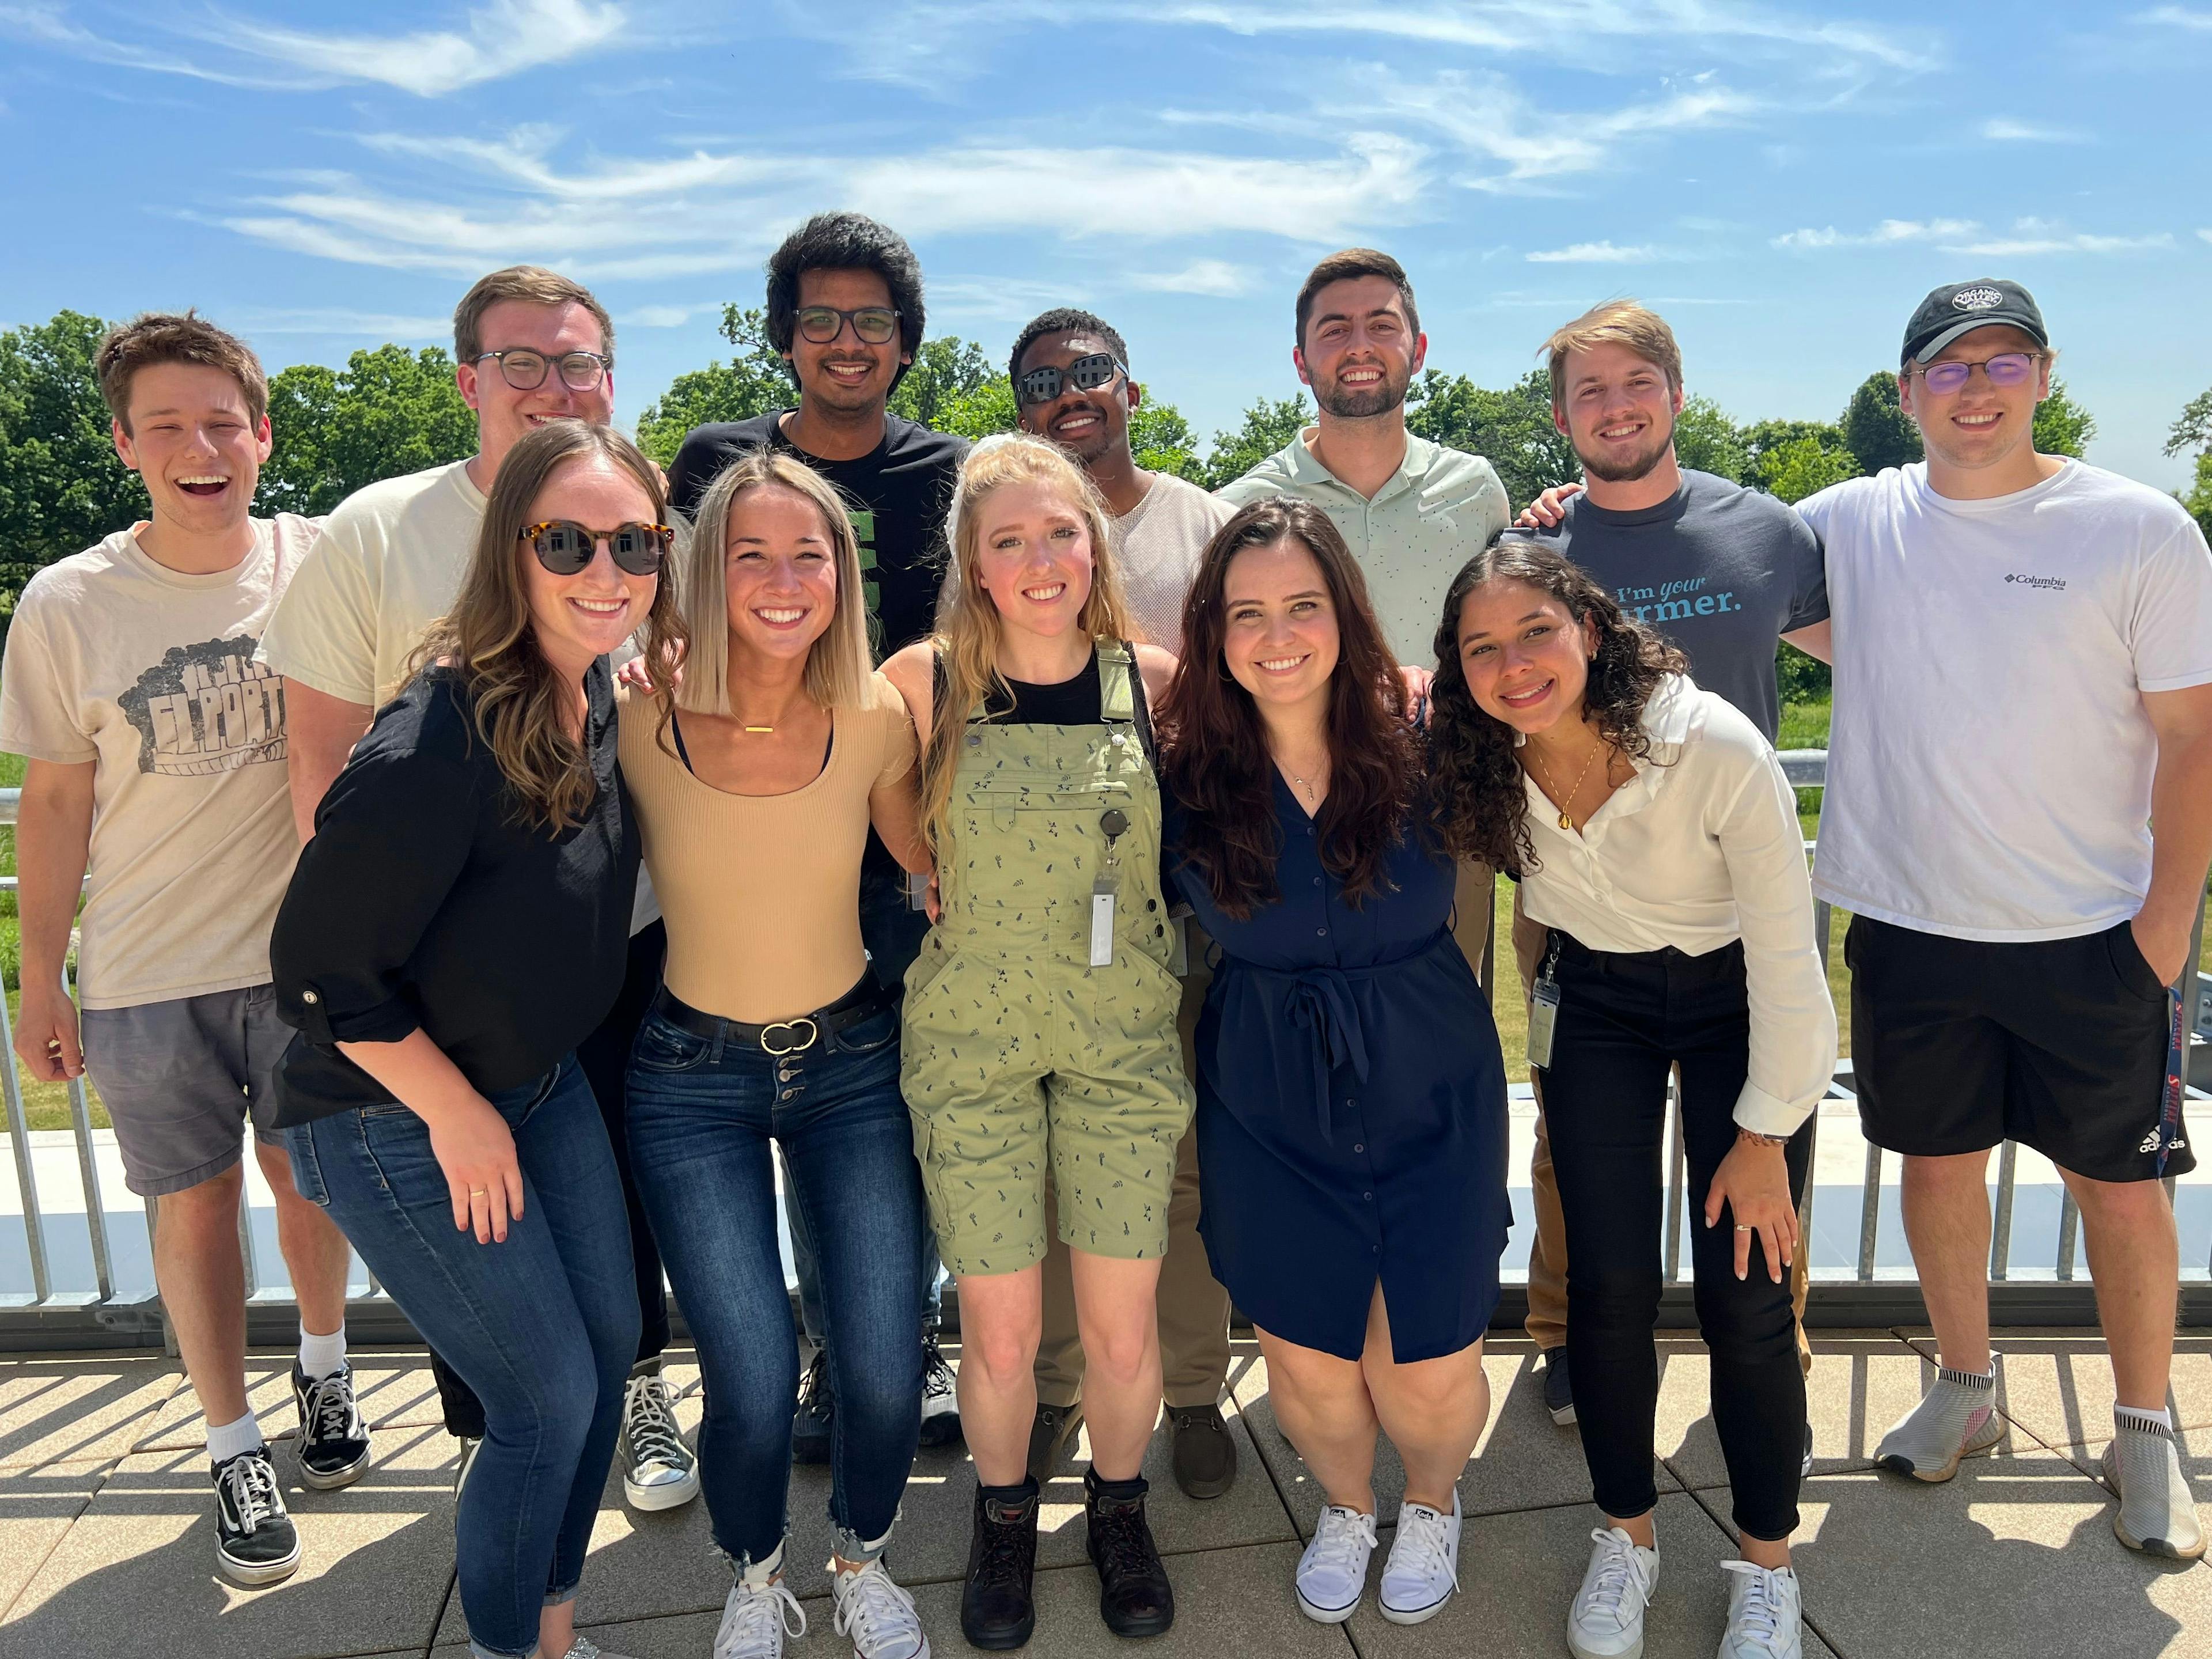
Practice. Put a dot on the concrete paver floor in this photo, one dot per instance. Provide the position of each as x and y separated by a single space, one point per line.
105 1545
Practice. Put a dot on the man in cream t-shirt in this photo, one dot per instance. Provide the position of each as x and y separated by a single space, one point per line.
530 346
157 749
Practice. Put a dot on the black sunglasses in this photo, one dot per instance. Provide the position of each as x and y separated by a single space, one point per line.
565 547
1041 386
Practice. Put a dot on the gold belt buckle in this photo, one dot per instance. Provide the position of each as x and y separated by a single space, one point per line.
813 1035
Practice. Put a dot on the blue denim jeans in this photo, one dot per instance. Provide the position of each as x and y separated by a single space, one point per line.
544 1326
703 1115
892 933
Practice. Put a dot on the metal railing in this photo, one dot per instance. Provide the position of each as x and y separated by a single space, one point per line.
53 1316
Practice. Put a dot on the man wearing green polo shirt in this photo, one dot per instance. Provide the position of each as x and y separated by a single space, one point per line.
1413 512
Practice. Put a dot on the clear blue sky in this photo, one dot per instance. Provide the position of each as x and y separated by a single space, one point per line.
1784 182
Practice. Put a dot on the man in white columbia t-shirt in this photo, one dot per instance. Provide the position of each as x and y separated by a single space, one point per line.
156 750
529 346
2019 816
1071 374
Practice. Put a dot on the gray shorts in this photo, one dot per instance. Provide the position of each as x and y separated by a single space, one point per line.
182 1078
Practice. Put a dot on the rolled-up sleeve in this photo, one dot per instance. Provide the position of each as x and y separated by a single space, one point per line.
391 839
1793 1020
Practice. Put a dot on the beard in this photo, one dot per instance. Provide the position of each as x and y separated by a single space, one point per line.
1615 468
1385 395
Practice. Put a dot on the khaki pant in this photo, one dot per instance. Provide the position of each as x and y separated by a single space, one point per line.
1194 1309
1546 1324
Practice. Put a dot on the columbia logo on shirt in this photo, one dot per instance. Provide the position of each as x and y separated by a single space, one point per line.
2056 584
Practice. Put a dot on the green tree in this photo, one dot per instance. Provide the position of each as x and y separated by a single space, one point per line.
2194 429
1766 440
2063 426
945 372
2198 501
1269 424
1875 428
387 412
1510 427
1804 465
1164 442
755 381
61 488
1707 440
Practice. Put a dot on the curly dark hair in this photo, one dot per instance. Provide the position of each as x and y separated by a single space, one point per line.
1474 778
1066 320
1214 746
846 241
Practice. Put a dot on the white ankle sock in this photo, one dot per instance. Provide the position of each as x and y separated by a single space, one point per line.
322 1355
2134 1417
226 1443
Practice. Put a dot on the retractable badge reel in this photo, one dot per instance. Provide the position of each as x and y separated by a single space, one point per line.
1115 823
1544 1008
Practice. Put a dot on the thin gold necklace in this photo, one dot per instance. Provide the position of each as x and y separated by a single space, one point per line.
1566 820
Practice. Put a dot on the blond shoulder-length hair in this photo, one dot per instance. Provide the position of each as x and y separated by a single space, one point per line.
488 640
838 664
969 630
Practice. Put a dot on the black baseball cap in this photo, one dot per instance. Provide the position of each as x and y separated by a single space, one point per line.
1959 308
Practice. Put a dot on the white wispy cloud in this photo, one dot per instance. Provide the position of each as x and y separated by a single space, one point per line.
1889 233
2039 236
2206 234
2179 17
338 322
661 316
1594 253
1215 278
2005 131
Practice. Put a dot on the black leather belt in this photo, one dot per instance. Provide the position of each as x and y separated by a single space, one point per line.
869 998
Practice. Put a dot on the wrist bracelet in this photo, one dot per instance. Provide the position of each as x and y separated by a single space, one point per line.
1758 1139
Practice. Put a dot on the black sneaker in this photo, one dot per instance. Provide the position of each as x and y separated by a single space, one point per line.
255 1542
1049 1432
1134 1597
809 1419
940 1399
996 1610
1205 1451
333 1440
1558 1389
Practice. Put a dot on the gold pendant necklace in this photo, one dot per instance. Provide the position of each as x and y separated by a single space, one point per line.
1566 822
760 728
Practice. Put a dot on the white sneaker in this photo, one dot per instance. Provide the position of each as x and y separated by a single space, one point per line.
755 1619
1607 1620
1423 1571
659 1471
1764 1620
1332 1572
877 1615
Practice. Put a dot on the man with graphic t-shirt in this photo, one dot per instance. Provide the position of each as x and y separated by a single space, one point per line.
2019 818
845 308
157 766
1071 376
1722 571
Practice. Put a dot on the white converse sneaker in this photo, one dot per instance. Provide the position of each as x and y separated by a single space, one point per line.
1607 1619
1332 1572
659 1471
757 1617
1764 1618
1423 1571
876 1614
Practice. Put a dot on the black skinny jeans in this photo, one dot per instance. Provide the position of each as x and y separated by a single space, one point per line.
604 1058
1624 1021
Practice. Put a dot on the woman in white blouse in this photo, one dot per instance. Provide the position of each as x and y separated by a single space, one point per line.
1655 835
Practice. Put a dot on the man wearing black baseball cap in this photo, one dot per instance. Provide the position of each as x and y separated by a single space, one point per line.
2023 658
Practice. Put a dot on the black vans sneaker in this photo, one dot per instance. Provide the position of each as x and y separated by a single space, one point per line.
255 1542
1134 1597
333 1440
811 1417
997 1609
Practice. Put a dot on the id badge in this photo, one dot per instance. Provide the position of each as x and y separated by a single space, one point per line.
917 890
1543 1019
1102 923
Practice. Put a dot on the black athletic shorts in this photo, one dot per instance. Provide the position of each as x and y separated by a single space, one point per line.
2060 1045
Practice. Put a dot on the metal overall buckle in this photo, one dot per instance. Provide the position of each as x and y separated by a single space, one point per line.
813 1035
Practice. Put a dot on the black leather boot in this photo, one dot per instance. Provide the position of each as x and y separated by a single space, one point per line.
1134 1597
996 1608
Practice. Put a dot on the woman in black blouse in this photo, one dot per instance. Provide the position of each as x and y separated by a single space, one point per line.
457 924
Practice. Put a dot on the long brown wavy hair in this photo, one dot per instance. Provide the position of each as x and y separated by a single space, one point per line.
486 639
1475 789
1213 745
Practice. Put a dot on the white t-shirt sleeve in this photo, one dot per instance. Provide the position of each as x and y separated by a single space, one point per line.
38 715
2171 633
323 633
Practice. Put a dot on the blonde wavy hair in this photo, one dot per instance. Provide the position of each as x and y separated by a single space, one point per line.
488 640
968 629
838 666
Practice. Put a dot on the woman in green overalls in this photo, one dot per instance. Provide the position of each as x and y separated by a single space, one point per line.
1041 1015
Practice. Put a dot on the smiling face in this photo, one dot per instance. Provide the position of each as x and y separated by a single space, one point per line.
578 617
1279 639
505 415
1619 412
1359 354
191 438
1033 556
1980 425
1087 424
1526 658
847 375
780 572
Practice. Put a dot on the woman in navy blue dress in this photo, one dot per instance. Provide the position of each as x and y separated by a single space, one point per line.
1352 1133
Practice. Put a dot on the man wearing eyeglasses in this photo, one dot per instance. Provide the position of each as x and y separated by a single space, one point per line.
845 308
2019 818
530 346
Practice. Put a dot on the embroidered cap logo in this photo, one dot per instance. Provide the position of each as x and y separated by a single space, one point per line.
1977 299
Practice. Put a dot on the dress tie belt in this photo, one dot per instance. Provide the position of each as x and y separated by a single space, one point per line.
1321 1001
